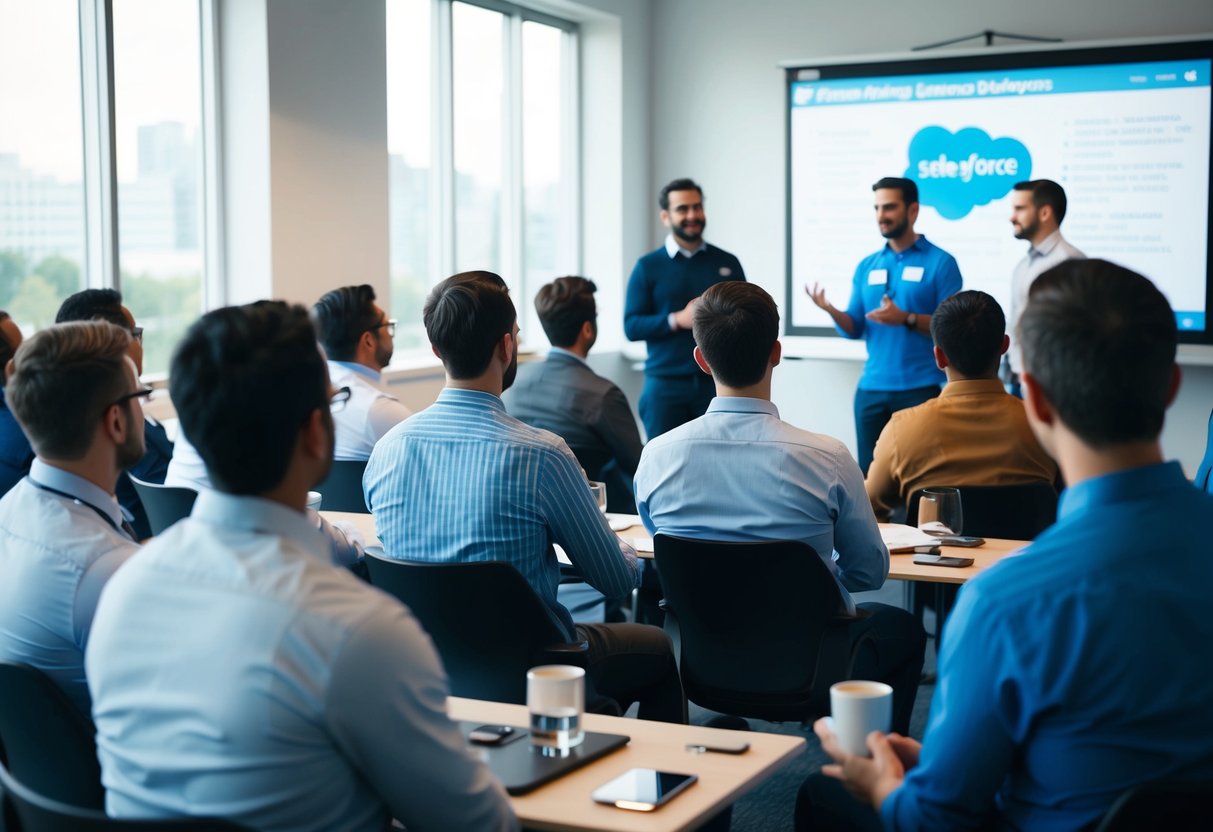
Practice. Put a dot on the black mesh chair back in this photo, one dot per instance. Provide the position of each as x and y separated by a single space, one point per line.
487 622
342 488
44 739
1015 512
27 810
164 504
1171 805
760 626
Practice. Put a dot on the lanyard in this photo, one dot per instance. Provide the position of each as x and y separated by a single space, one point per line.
124 528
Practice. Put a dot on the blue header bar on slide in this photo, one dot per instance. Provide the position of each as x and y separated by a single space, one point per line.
1002 84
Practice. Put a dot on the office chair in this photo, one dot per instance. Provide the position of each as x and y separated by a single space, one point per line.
342 488
44 739
1015 512
164 504
1171 805
487 623
759 624
27 810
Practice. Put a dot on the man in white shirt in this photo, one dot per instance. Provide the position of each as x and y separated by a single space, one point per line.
357 338
235 672
1037 208
62 531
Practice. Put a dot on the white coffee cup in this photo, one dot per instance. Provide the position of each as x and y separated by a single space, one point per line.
857 709
555 696
314 499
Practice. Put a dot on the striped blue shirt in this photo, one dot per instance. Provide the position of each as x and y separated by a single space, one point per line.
464 481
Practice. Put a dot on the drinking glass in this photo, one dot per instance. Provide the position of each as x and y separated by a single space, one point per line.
555 696
939 511
599 489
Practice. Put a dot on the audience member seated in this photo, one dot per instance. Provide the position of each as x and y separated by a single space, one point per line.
464 481
62 533
15 451
1071 672
235 673
562 394
739 473
357 338
975 433
106 305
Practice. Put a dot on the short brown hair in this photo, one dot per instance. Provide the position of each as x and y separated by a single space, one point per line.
465 317
64 378
564 305
736 326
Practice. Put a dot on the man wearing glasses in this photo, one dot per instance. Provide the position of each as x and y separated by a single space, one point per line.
357 338
62 532
106 305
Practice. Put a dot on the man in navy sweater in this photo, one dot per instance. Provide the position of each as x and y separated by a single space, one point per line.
662 291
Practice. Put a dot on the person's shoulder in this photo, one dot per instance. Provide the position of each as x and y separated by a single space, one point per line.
717 251
656 258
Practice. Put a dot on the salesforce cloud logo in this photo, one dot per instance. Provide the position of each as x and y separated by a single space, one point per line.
957 171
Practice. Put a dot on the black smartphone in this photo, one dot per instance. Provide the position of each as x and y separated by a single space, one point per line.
941 560
493 734
739 747
965 540
642 789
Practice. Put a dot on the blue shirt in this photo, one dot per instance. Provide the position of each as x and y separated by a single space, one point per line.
917 280
464 481
739 473
1077 669
15 451
235 673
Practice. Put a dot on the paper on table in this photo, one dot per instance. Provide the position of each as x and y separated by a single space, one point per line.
641 544
901 538
619 522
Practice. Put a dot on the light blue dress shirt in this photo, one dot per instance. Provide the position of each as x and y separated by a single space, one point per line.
235 673
739 473
1077 669
57 550
464 481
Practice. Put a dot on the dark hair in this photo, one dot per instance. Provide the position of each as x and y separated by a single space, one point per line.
968 327
64 378
563 306
736 325
93 305
465 317
341 316
7 350
683 184
908 187
1100 341
1046 192
244 380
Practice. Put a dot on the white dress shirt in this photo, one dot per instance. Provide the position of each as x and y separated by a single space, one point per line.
1052 250
235 673
60 541
369 413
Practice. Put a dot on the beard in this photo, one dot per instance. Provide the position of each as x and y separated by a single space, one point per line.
1027 232
680 231
130 451
383 355
896 230
511 372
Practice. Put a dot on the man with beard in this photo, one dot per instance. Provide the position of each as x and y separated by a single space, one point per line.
662 291
62 532
357 338
1037 208
893 295
463 481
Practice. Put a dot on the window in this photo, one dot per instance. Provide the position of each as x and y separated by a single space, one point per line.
482 141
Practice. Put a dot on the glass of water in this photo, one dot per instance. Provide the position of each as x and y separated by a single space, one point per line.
555 697
939 511
599 489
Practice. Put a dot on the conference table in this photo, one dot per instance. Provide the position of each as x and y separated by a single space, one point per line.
565 803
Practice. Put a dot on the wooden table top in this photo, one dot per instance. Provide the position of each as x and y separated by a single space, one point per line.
566 803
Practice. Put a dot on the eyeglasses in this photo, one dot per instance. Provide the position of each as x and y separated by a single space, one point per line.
390 323
141 393
339 399
137 333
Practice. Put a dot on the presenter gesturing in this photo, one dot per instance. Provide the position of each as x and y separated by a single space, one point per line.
894 293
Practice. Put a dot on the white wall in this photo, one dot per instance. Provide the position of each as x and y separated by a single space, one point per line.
718 116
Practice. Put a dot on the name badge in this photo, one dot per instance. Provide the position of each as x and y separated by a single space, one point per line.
912 274
878 277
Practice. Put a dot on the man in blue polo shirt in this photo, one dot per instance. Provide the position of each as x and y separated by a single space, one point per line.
662 291
894 294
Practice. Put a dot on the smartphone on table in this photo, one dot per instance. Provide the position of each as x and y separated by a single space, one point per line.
642 789
942 560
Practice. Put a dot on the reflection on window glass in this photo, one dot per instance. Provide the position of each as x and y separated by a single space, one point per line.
410 164
41 159
158 107
478 75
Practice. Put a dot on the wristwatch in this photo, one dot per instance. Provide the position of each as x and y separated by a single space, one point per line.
911 321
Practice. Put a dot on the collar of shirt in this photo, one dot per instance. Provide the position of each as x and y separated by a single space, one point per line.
475 399
920 245
568 354
254 514
743 404
1120 486
361 369
972 387
1046 245
77 488
673 249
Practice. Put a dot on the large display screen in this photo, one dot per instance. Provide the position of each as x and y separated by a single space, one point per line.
1125 129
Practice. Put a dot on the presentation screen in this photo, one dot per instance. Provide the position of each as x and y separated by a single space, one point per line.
1125 129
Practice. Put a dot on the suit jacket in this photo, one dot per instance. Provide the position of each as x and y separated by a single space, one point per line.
590 413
